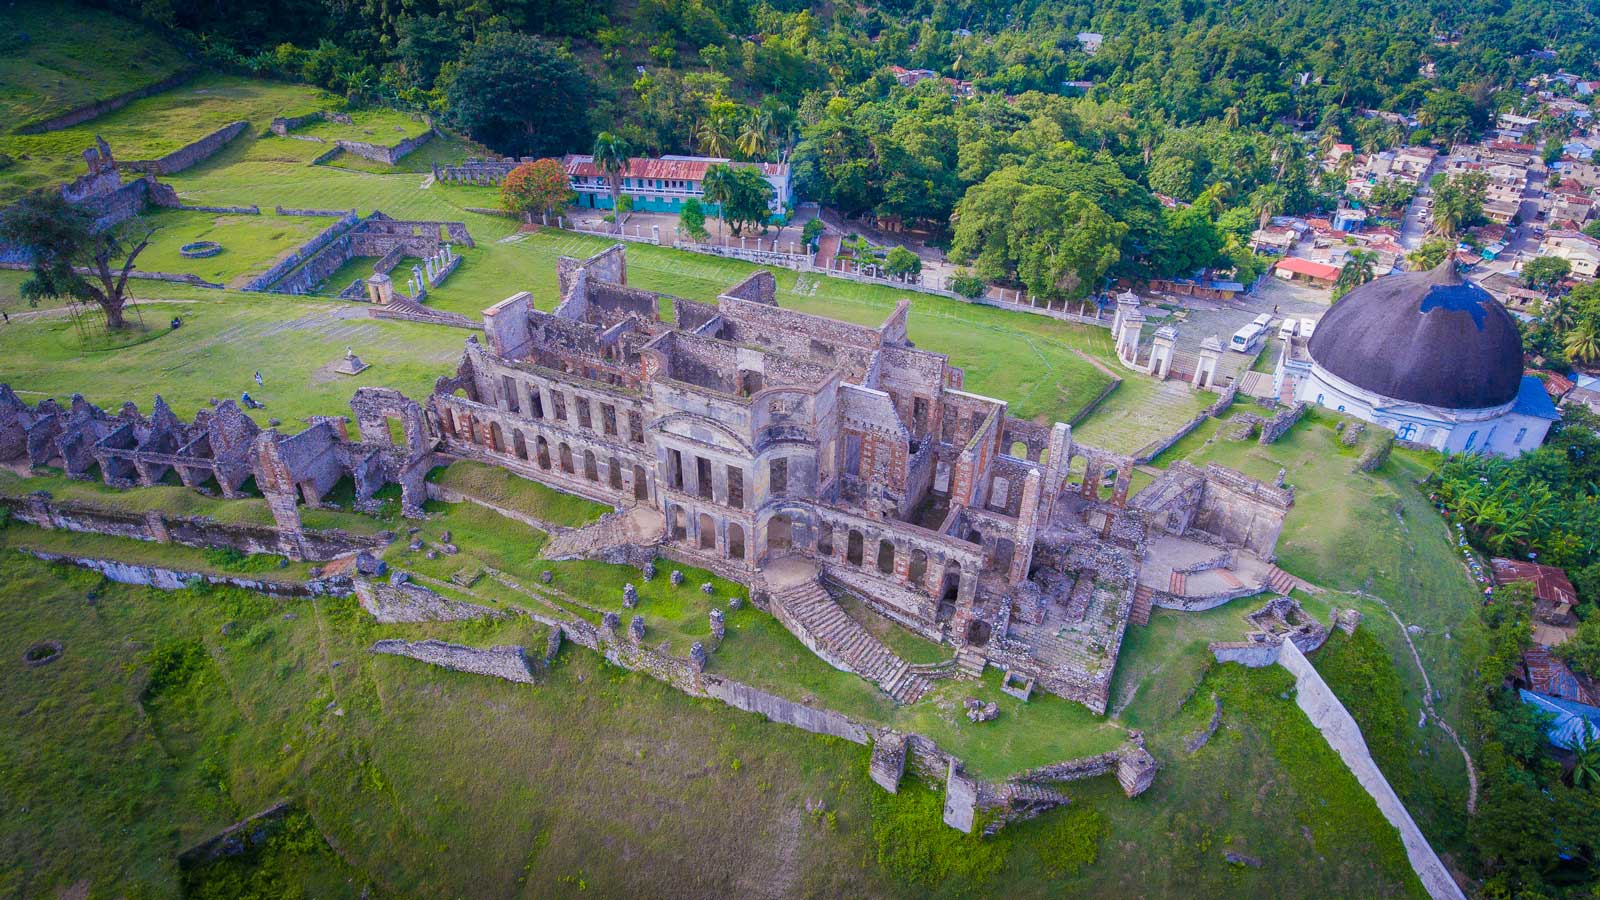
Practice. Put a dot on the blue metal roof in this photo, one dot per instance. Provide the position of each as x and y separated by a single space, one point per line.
1532 400
1572 724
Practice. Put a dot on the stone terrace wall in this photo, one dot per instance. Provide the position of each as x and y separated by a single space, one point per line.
388 155
816 721
89 111
269 279
193 531
177 579
184 157
504 662
391 603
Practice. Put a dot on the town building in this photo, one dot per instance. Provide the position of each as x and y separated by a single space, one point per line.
1577 248
1427 355
663 184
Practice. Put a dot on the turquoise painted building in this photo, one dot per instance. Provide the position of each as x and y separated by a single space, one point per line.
663 184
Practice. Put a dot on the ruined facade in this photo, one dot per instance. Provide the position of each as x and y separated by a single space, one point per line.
759 433
223 450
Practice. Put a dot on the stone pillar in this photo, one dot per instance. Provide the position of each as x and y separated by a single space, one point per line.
636 628
718 627
655 234
427 263
1205 373
1165 342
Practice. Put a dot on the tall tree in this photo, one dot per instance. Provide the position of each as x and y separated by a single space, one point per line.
521 95
718 186
59 239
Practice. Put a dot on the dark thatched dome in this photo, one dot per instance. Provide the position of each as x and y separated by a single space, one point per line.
1423 337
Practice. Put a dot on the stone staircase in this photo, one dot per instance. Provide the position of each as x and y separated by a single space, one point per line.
821 624
1282 582
1143 600
1177 583
970 663
636 526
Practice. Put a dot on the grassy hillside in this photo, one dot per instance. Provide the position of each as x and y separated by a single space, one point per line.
57 56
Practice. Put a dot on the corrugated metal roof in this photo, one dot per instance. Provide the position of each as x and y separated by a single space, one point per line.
680 168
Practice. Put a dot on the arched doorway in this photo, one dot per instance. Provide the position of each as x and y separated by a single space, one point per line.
735 541
708 532
853 548
520 445
541 449
566 457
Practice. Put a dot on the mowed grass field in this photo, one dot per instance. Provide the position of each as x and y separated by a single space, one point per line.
57 56
154 126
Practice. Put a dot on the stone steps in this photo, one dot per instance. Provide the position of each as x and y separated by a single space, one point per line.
1282 582
1143 600
808 608
971 663
1177 583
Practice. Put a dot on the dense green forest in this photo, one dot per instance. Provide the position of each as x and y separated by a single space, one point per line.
1191 101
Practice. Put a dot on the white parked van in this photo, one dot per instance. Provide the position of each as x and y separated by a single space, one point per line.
1307 327
1248 338
1286 330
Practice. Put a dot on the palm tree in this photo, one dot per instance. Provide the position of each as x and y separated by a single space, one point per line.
1583 343
717 185
1357 270
752 141
1586 763
1559 312
715 133
1269 200
611 154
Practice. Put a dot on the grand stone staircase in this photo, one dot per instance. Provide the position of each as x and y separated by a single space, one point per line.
802 605
1143 599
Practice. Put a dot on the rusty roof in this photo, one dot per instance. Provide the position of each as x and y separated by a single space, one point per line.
1549 583
1546 674
683 168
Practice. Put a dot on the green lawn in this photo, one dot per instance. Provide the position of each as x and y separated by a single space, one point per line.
385 127
431 783
154 126
250 244
502 488
57 56
225 339
1376 534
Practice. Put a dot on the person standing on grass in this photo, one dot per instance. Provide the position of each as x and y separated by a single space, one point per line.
258 379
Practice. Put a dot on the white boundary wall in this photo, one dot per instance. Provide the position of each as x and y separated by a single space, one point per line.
1331 718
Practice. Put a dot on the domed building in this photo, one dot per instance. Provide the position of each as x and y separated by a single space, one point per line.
1428 355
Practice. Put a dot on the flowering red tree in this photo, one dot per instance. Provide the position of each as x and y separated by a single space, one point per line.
538 187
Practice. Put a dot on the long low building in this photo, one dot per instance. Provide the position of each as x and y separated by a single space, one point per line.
1428 355
663 184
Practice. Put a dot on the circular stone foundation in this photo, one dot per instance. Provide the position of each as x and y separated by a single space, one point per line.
200 249
42 653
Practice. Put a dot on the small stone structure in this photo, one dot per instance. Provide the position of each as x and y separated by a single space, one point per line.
200 249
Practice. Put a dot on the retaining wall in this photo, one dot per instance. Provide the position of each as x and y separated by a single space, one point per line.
178 579
184 157
1317 700
191 531
506 662
83 114
388 155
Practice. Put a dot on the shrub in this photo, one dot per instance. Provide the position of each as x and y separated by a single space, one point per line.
967 284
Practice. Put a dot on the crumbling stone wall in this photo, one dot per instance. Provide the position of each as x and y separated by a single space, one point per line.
388 155
1279 424
176 579
505 662
392 603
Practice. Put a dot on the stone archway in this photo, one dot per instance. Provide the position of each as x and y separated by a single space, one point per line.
780 534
